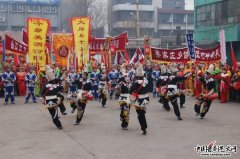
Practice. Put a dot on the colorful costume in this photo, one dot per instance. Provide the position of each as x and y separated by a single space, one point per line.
9 79
31 79
21 83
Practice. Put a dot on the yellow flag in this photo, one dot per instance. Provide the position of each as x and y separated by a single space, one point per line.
37 32
81 29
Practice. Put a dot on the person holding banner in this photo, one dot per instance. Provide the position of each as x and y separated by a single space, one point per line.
9 79
140 97
31 79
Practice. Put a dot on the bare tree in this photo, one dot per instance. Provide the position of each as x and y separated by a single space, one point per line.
97 10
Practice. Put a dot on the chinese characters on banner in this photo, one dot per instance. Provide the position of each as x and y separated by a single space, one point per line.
118 42
191 49
81 30
182 55
37 32
15 46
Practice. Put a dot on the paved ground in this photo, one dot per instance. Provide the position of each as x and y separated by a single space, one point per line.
26 132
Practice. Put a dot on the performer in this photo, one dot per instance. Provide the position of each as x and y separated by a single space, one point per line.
124 100
189 80
72 79
50 93
103 87
198 84
140 93
113 77
224 85
84 94
155 76
21 82
206 98
148 71
94 77
31 79
181 86
168 86
9 79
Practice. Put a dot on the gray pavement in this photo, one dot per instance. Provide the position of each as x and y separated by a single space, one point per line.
27 132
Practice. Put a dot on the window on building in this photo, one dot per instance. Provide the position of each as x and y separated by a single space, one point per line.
34 8
178 18
190 18
3 7
146 16
17 8
143 2
17 28
165 32
165 18
50 9
219 13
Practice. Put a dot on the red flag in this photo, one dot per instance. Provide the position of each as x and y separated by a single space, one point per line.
126 56
16 60
137 57
234 61
25 36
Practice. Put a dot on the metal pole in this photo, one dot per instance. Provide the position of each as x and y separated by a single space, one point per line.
138 20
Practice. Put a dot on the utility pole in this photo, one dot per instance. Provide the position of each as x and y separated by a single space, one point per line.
137 21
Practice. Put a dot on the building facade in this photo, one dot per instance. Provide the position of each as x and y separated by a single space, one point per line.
211 16
157 19
14 13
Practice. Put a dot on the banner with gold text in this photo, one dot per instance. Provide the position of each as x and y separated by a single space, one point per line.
37 32
81 31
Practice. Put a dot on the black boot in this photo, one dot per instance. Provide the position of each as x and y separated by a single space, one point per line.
144 132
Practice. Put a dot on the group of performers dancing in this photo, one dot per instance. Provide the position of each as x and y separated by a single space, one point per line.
128 84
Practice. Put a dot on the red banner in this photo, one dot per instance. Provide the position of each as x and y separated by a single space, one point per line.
118 42
15 46
25 36
182 55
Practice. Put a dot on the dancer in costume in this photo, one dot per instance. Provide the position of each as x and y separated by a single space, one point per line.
103 91
124 100
155 76
181 87
84 94
50 94
168 86
8 78
224 84
140 97
31 79
21 82
198 84
72 79
113 78
207 97
94 77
